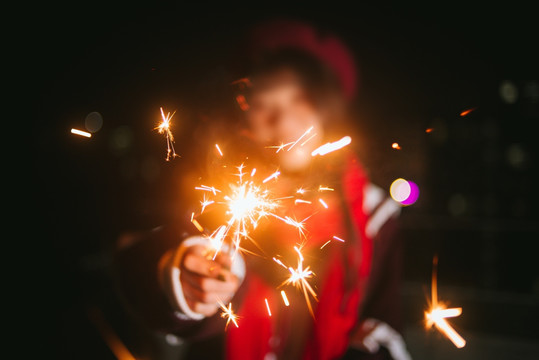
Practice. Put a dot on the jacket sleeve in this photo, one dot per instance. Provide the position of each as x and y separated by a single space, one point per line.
136 276
384 285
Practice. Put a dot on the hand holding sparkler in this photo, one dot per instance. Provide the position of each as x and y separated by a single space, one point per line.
206 282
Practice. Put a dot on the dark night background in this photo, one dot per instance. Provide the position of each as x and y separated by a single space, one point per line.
419 68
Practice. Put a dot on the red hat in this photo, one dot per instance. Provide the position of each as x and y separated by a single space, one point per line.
329 49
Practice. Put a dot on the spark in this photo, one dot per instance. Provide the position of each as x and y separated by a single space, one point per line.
301 191
301 137
300 225
396 146
218 149
428 130
204 203
297 201
285 299
338 238
288 146
228 314
253 172
327 242
267 306
246 203
323 203
438 313
164 128
308 139
467 112
298 277
280 262
197 225
325 188
330 147
207 188
280 147
272 176
81 133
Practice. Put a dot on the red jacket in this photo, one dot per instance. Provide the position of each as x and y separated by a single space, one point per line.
350 283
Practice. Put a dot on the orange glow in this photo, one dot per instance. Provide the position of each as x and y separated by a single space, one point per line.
467 112
242 82
428 130
113 341
396 146
242 102
81 133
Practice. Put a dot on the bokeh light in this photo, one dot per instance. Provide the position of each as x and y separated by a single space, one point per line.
93 122
404 191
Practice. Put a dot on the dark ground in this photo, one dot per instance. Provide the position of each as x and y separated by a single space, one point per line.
419 68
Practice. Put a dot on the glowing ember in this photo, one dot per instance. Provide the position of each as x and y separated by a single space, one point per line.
396 146
330 147
467 112
429 130
81 133
164 128
438 313
228 314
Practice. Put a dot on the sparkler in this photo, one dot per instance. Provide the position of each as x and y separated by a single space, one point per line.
228 314
164 128
438 313
246 204
298 277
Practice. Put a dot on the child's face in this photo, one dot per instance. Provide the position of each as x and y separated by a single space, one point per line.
280 112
